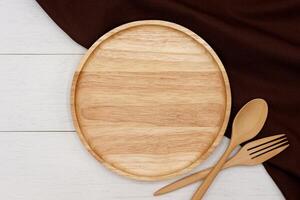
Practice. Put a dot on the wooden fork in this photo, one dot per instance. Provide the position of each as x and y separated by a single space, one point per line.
253 153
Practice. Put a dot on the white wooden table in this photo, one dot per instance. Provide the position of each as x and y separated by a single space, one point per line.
41 156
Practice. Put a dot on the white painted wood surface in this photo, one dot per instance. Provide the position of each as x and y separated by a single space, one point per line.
41 155
26 28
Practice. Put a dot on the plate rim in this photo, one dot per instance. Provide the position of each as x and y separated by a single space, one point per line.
177 27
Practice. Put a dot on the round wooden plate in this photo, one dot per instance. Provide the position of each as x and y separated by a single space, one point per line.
150 100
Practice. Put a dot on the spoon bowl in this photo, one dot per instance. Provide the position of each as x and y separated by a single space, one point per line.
249 121
246 125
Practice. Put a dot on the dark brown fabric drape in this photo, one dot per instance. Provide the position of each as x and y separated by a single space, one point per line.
257 41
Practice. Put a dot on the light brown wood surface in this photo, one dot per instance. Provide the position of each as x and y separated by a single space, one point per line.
150 100
246 125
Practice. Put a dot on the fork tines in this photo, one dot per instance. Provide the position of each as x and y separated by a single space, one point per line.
267 145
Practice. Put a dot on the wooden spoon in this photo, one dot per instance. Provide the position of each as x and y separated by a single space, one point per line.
253 153
246 125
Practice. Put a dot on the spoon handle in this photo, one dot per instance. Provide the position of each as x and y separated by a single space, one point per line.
193 178
213 173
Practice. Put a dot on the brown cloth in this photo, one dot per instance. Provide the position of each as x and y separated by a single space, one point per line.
257 41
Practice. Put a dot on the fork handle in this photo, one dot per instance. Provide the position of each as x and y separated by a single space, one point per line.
193 178
212 174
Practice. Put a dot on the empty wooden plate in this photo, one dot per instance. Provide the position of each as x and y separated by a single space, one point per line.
150 100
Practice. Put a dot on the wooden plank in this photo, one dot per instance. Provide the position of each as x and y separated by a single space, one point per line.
56 166
26 28
35 92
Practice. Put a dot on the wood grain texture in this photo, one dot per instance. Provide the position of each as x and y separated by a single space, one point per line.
247 123
53 165
35 91
30 30
150 100
253 153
